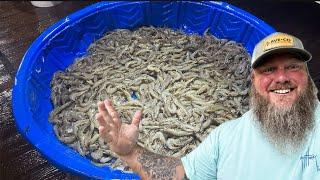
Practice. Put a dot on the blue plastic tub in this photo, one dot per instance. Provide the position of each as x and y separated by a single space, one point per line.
58 46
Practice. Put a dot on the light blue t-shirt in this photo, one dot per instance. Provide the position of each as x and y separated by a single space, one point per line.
238 150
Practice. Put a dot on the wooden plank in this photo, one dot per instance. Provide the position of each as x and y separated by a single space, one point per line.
20 24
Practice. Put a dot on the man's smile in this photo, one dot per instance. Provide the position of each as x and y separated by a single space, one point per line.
282 91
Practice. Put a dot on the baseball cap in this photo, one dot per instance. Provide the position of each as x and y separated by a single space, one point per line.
278 42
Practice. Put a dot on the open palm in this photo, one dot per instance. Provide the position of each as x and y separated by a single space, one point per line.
120 137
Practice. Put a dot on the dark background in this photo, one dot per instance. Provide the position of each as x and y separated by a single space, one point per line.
21 24
301 19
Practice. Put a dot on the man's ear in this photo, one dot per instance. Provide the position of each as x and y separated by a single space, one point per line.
252 75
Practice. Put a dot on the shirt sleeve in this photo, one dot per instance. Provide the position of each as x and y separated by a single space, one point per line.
201 163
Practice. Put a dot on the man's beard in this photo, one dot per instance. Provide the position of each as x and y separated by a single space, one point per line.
286 128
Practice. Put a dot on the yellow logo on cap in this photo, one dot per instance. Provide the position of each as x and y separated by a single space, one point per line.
281 40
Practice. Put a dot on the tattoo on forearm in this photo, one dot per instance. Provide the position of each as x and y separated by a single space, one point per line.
157 166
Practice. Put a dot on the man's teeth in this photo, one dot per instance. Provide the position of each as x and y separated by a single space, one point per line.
282 91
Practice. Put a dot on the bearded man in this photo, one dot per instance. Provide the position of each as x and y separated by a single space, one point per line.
278 138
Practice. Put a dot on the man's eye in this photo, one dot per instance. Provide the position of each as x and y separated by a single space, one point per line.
293 67
268 70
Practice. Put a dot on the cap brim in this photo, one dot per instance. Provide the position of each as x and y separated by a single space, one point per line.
301 53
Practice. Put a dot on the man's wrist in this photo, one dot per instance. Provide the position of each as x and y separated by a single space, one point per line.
131 157
132 161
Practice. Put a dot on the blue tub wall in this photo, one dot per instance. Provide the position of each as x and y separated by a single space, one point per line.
59 45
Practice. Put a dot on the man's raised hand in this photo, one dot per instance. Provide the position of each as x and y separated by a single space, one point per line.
120 137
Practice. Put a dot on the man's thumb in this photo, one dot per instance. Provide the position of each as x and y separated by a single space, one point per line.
136 118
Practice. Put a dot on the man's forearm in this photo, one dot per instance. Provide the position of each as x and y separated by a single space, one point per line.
154 166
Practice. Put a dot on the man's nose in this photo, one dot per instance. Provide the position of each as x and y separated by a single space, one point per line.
281 76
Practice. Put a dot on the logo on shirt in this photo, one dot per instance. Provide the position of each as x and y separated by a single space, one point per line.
309 159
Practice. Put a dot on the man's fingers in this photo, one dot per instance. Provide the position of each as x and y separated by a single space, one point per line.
113 113
136 118
102 131
101 106
102 110
105 134
109 122
102 122
108 126
100 119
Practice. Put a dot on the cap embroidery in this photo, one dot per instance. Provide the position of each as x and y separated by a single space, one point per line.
281 40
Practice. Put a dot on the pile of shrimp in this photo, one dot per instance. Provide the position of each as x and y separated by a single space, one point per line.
186 85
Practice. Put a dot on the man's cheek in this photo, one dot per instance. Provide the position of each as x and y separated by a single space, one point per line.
265 83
